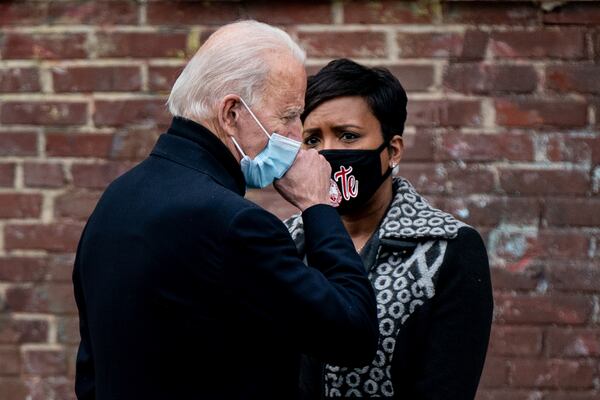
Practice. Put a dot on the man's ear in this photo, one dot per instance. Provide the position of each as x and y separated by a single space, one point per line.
396 149
229 113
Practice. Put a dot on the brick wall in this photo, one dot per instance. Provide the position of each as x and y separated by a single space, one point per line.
503 131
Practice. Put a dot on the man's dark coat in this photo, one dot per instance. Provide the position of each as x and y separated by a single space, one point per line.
186 290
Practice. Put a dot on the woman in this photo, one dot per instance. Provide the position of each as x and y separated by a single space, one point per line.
430 271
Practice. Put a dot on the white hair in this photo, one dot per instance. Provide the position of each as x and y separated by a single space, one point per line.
231 61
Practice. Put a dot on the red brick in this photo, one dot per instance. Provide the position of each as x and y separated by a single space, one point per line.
56 298
418 146
96 79
93 12
572 342
68 330
515 341
573 78
44 362
97 176
565 276
43 175
549 309
19 80
444 113
490 13
20 205
133 144
540 113
414 78
22 13
126 112
7 175
388 12
527 277
475 45
518 248
71 371
22 331
344 44
75 205
569 395
290 12
454 45
485 78
43 113
22 269
507 394
162 78
59 267
561 243
142 44
58 237
492 211
437 179
52 46
10 361
596 45
192 13
495 373
565 43
573 149
52 387
78 145
522 247
469 180
18 144
551 374
485 147
572 212
543 181
579 13
430 44
13 388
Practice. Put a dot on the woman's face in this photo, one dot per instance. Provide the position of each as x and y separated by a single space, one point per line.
347 123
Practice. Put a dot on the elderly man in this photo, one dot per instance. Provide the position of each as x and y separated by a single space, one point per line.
185 289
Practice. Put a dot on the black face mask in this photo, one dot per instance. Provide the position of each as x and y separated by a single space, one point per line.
357 174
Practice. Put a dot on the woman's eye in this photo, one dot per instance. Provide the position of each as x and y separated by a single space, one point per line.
311 141
348 136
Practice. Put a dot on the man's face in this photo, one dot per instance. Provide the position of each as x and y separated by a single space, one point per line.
280 108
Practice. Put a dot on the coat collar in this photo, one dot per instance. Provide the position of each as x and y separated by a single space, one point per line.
410 216
408 220
192 145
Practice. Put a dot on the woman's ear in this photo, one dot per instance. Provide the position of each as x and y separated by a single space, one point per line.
396 149
228 114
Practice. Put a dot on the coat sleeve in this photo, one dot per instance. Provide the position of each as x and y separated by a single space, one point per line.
328 308
441 349
85 384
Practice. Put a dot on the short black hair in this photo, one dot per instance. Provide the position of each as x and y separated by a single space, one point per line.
381 90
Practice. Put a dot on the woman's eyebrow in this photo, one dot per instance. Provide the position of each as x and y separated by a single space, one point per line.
346 126
311 131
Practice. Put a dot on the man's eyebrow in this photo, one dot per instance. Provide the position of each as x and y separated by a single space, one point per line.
295 110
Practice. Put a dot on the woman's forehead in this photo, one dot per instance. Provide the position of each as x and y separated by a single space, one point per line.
341 110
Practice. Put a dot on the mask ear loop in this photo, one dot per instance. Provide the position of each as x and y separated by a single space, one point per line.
238 146
255 119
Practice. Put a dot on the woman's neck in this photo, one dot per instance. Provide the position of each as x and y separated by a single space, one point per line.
361 224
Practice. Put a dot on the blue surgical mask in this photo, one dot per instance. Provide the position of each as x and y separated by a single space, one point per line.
272 162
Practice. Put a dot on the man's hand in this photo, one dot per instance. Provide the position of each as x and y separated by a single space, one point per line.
306 183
